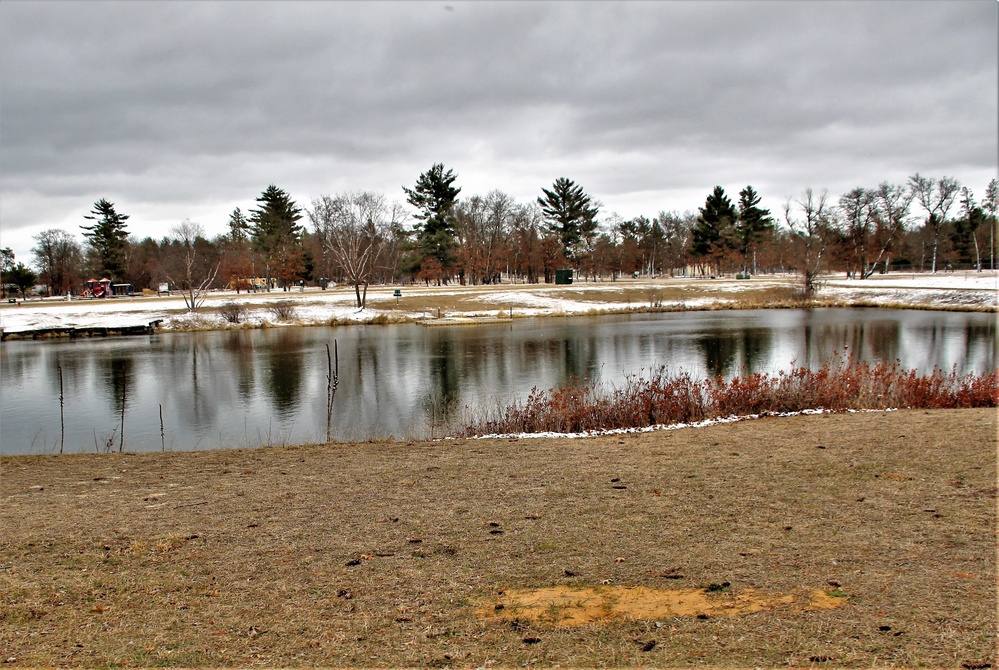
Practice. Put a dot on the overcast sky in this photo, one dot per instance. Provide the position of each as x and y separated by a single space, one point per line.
186 110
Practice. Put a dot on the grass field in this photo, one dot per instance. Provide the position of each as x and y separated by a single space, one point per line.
834 540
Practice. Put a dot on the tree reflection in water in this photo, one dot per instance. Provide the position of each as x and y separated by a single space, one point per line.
248 388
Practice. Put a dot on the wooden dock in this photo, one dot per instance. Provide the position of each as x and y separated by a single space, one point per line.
463 321
72 332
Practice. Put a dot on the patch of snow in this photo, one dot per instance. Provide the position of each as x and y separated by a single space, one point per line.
952 281
671 426
960 289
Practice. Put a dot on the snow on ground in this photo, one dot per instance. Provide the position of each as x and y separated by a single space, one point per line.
538 303
314 307
662 426
942 280
940 290
968 289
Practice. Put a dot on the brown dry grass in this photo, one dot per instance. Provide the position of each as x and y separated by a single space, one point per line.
382 554
664 295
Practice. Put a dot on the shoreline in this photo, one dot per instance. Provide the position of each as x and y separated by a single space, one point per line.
59 318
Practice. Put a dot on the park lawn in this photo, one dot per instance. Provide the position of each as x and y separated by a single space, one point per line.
831 540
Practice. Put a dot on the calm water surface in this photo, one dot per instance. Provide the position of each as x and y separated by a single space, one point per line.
258 387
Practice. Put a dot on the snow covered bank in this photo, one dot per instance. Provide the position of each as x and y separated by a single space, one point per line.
943 290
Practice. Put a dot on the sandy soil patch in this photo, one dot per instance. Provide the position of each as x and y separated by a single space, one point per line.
577 606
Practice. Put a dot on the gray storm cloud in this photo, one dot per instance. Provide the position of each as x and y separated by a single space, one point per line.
187 110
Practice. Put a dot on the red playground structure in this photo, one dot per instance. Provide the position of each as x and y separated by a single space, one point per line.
98 288
103 288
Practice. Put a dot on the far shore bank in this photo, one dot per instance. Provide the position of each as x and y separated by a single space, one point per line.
227 310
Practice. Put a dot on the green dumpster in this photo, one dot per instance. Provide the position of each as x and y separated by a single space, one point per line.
563 276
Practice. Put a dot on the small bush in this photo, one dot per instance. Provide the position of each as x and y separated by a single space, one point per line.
284 311
233 312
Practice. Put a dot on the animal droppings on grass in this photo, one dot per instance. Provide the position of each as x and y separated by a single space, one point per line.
578 606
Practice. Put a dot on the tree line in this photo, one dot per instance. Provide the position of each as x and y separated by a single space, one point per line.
359 238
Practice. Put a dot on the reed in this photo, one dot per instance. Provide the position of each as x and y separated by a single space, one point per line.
62 413
665 398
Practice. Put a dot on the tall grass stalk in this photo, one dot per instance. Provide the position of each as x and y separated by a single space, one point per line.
124 387
332 381
664 398
62 413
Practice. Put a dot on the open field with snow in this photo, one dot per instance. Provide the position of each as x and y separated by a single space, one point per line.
962 290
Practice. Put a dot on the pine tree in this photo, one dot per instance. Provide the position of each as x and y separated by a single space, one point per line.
435 197
238 226
753 223
711 237
107 238
570 213
6 265
276 233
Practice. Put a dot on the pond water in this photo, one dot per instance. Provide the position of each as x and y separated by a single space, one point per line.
259 387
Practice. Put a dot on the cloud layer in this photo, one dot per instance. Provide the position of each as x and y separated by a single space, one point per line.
179 110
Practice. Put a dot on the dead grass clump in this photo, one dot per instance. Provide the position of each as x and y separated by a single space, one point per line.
665 398
233 312
284 311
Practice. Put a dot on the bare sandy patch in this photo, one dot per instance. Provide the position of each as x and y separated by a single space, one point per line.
563 605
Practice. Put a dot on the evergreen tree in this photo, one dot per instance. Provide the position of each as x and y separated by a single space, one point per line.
753 223
107 239
435 198
238 226
569 213
276 233
711 237
21 275
6 265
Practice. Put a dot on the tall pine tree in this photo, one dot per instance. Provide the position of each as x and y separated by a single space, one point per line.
238 226
752 225
570 213
712 235
276 234
107 239
435 198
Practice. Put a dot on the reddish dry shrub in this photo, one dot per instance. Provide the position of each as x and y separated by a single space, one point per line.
664 398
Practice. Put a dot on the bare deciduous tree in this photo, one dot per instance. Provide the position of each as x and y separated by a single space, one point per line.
58 258
891 202
355 230
810 234
936 197
482 225
189 267
990 204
